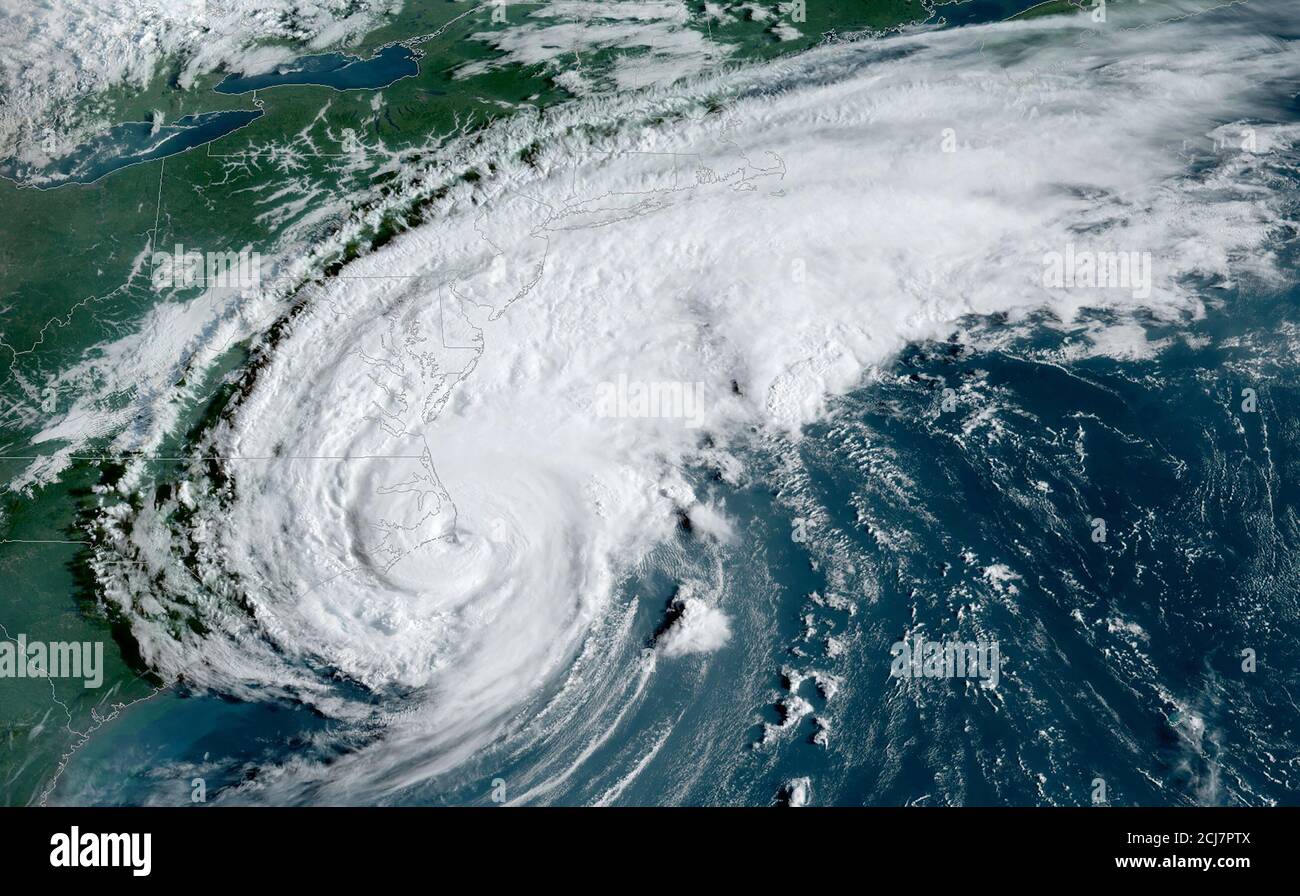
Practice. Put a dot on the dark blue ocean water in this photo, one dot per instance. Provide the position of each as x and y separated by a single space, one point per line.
1122 659
1156 666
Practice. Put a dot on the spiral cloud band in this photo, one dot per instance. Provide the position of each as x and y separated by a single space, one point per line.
427 497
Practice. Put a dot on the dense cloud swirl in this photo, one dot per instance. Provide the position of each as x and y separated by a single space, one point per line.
445 466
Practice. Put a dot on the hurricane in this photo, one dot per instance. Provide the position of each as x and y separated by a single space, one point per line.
615 475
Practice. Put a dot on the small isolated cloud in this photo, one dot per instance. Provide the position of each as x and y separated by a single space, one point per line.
699 629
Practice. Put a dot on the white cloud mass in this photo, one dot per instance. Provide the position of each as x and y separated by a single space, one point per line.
788 245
